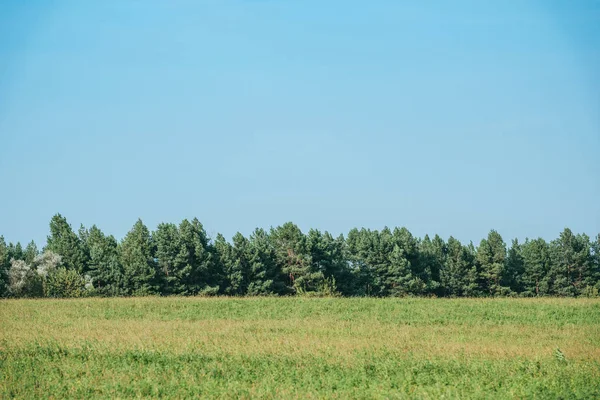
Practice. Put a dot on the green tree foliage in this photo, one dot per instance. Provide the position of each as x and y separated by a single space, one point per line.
265 275
432 259
385 263
249 265
4 267
172 259
491 257
535 279
30 279
185 259
369 256
460 276
420 274
361 259
593 287
572 268
203 275
327 256
182 260
137 258
232 266
30 253
65 282
293 258
64 242
15 252
23 280
105 267
514 268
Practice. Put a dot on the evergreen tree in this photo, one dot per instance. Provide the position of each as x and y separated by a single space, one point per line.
327 256
15 251
137 257
571 267
182 260
265 275
203 275
398 279
459 276
64 242
239 273
4 267
514 268
293 258
105 267
171 255
185 259
419 273
491 256
363 260
536 280
593 289
30 253
381 262
83 235
432 258
230 265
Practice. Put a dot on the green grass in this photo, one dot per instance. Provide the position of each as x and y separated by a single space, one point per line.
299 347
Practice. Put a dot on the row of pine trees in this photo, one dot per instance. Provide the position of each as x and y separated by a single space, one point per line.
183 260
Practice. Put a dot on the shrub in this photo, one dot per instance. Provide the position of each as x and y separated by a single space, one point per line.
590 291
23 281
65 283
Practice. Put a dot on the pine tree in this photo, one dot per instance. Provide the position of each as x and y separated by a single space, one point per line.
230 265
240 271
491 256
293 258
203 275
171 255
571 263
514 268
185 259
399 280
537 263
363 261
265 275
593 288
4 267
63 241
15 251
327 256
137 257
105 267
460 276
432 257
30 253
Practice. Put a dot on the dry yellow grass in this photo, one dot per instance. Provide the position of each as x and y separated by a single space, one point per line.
342 333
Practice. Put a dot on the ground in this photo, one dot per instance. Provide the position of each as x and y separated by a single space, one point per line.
300 348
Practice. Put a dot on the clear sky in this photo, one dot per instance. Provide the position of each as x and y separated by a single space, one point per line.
449 117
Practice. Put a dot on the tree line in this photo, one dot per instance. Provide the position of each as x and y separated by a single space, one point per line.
183 260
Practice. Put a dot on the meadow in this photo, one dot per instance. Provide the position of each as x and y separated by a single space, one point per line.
182 347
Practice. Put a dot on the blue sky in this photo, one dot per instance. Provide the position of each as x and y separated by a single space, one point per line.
444 117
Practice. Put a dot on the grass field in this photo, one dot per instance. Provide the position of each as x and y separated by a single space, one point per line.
300 347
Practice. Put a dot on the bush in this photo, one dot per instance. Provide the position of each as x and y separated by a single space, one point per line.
209 291
23 281
326 288
64 282
590 291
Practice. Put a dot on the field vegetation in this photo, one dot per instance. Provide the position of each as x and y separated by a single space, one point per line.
290 347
